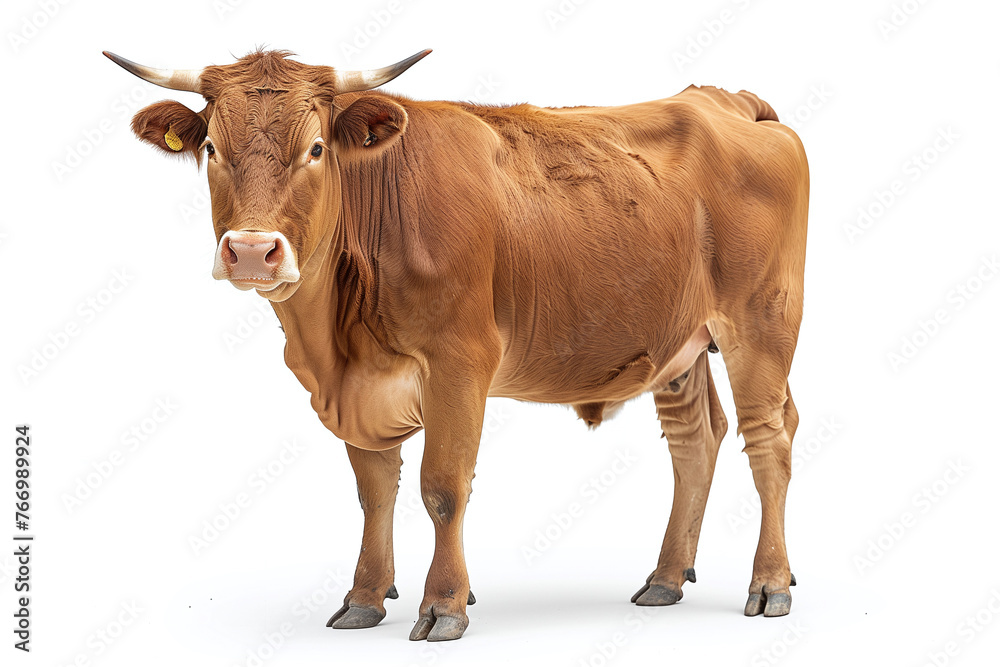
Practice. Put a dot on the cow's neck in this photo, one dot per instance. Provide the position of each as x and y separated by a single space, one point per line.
320 317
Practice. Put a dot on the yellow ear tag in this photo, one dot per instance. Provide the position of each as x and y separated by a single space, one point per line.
172 140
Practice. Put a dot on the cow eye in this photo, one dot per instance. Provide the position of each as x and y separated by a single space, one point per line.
316 151
210 149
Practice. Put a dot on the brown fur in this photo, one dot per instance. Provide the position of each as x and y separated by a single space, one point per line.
580 256
153 122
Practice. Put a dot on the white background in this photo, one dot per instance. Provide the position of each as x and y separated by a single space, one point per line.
875 433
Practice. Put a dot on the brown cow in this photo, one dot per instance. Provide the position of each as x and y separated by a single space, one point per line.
423 256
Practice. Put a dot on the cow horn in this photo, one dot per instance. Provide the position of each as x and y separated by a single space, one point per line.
366 79
176 79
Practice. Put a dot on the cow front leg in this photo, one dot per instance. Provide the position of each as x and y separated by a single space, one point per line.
453 420
378 481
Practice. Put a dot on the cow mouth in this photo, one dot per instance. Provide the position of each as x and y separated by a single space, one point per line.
258 283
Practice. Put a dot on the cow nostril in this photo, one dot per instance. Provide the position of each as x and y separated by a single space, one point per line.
274 255
229 255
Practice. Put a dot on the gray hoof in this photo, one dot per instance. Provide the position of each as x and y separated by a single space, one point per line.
392 594
755 605
421 628
352 618
769 604
778 604
472 598
447 628
656 596
440 629
645 588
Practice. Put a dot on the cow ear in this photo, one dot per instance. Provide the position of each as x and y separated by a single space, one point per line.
172 127
370 125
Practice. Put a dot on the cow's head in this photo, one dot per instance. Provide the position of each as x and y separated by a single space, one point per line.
271 135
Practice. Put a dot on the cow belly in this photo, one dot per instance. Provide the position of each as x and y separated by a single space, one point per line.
551 379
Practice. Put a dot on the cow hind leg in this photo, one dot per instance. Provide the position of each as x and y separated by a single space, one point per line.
693 423
378 482
758 349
